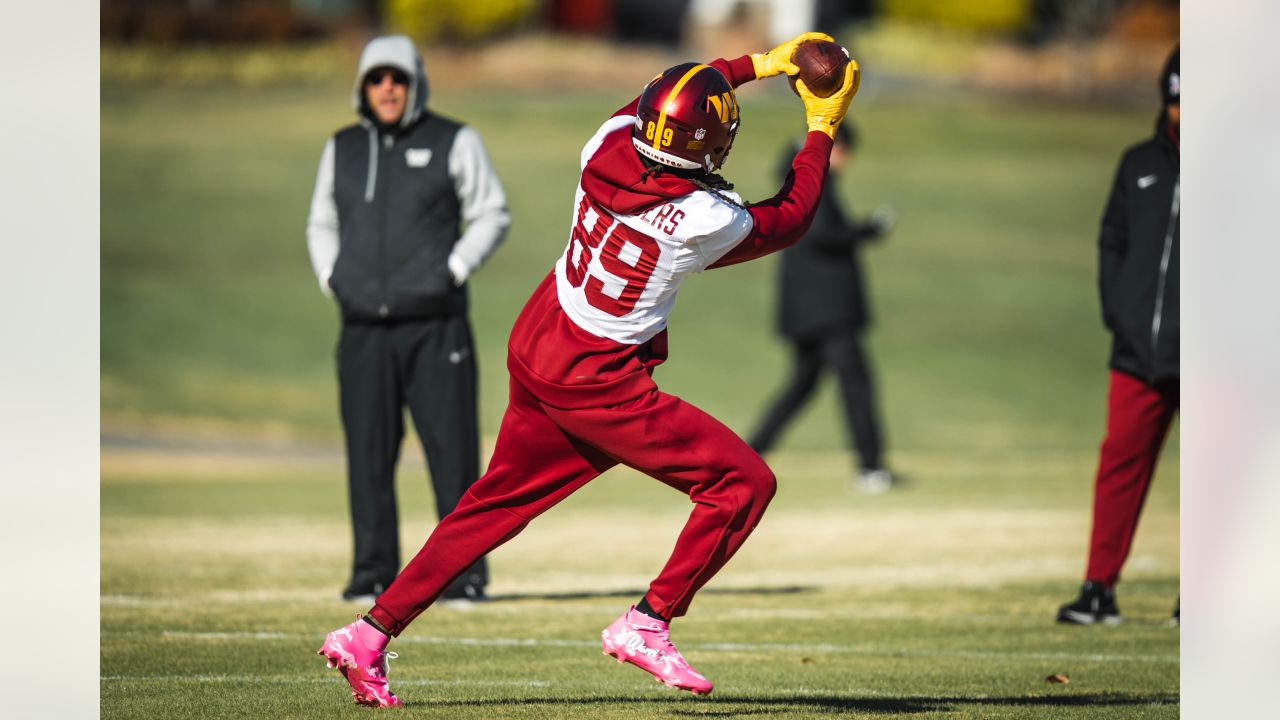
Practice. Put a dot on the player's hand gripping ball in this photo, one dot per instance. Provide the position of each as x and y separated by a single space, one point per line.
821 66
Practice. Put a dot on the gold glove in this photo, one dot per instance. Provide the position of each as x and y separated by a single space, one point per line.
778 60
825 114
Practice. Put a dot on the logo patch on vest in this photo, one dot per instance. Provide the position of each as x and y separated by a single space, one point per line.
417 157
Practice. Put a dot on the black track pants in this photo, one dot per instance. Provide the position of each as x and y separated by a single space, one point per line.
429 366
842 352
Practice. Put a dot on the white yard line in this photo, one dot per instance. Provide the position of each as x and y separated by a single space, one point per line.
524 606
701 647
319 680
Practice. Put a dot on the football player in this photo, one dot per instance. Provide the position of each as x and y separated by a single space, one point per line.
649 211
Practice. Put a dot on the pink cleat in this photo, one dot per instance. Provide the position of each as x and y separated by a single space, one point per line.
645 642
359 652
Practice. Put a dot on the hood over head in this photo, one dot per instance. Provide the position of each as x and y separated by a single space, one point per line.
1171 79
615 178
1170 94
397 51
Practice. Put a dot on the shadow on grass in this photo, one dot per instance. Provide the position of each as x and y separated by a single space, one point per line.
637 592
733 706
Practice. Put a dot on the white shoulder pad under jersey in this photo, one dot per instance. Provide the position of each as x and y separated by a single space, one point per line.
619 275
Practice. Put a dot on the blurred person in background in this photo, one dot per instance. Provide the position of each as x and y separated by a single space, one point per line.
823 312
1138 281
406 207
649 213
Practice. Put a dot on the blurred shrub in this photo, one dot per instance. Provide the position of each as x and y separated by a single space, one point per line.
1003 16
177 21
157 65
456 20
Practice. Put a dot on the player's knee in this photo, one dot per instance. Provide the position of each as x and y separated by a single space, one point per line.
759 484
742 487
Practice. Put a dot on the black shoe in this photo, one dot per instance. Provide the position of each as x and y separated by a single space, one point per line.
1096 604
465 592
363 592
1176 620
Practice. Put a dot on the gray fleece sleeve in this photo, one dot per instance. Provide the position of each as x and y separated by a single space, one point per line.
322 223
484 204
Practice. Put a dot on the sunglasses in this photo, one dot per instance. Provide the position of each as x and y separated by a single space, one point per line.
376 77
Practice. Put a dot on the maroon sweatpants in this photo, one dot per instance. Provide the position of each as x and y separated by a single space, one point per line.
1138 419
544 454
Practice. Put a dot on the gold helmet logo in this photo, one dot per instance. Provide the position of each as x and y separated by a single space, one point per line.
725 105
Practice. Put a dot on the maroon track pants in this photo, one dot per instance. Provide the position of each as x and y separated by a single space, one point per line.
1138 419
544 454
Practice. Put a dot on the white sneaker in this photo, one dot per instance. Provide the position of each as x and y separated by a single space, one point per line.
874 482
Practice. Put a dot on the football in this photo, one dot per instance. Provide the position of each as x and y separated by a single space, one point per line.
821 66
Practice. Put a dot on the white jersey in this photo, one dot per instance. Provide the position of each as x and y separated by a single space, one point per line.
619 275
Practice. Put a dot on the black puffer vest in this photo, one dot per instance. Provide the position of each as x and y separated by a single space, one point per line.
399 217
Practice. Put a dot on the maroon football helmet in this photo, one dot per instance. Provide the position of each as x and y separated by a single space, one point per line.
687 118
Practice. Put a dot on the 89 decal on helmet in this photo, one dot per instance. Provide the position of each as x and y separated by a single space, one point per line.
687 118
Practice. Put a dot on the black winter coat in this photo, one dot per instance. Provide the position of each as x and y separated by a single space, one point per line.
821 285
1138 260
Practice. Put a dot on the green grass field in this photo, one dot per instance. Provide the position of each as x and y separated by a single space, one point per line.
220 568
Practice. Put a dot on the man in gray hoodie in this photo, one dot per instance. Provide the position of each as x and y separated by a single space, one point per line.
406 207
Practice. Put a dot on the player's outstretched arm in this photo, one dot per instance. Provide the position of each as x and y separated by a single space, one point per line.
783 219
764 65
756 66
737 71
